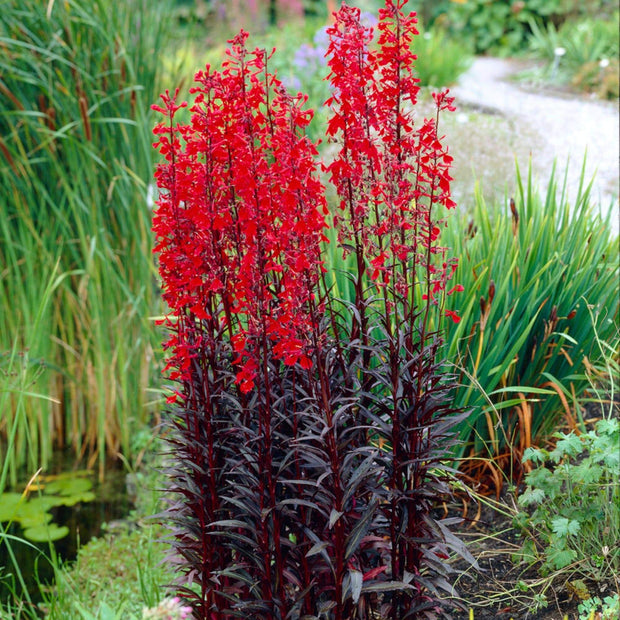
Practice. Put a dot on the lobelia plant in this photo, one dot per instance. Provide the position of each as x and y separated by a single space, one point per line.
308 435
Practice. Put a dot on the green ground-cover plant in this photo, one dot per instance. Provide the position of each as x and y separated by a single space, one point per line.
583 53
571 518
595 608
168 609
75 83
116 576
441 57
567 514
131 565
540 279
307 434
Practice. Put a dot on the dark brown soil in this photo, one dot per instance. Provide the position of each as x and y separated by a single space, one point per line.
492 593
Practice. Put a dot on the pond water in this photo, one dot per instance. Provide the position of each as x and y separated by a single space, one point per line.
70 504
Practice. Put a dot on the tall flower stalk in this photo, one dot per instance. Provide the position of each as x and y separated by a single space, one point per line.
239 225
393 179
308 435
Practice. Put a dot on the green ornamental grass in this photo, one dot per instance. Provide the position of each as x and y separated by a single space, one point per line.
540 289
441 58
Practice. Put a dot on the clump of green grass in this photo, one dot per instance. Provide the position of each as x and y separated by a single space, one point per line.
535 270
121 570
115 576
441 58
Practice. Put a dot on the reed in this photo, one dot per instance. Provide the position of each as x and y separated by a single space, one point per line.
21 371
77 81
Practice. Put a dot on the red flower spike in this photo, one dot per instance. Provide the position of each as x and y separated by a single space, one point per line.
453 315
389 174
239 238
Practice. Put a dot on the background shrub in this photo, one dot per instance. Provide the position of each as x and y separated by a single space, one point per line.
503 26
441 59
583 54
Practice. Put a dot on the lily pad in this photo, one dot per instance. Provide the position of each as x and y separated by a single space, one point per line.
35 519
43 503
80 473
44 533
87 496
68 486
32 510
9 503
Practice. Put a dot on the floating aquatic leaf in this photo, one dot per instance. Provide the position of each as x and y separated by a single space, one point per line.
34 519
9 503
43 503
69 486
87 496
67 475
44 533
31 511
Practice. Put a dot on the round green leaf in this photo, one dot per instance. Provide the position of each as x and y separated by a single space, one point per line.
68 486
9 503
88 496
34 519
45 533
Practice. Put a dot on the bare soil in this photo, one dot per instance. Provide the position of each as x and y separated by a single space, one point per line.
492 593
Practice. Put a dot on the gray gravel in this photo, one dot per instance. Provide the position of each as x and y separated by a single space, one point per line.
550 126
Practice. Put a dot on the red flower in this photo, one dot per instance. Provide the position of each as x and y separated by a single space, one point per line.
453 315
240 218
390 174
241 215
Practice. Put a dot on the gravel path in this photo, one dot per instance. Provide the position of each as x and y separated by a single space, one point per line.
553 125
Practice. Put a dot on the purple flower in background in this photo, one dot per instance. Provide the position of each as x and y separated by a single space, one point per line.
301 59
309 69
309 57
292 83
321 39
368 20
